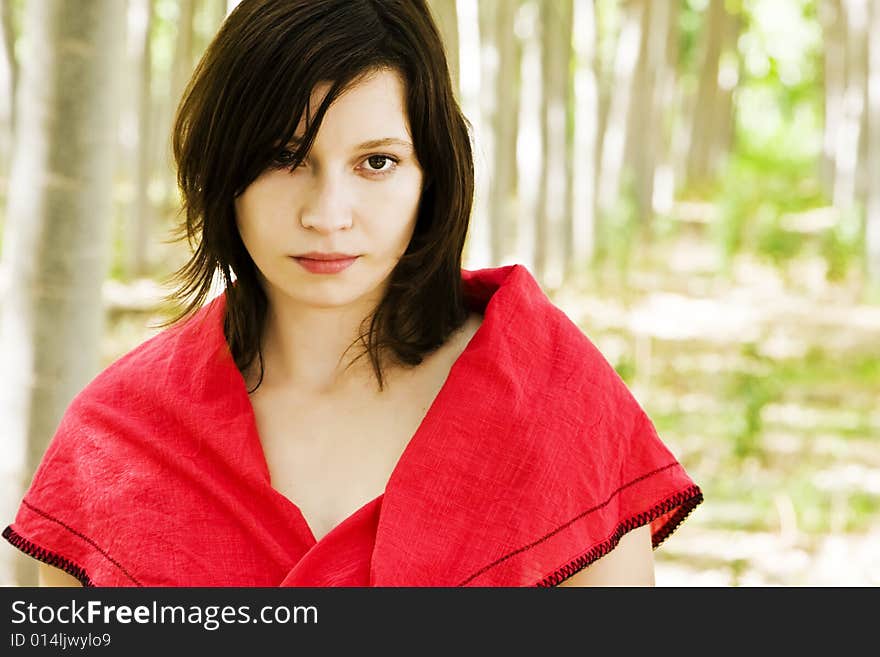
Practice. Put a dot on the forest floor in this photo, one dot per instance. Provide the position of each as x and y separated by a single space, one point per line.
765 383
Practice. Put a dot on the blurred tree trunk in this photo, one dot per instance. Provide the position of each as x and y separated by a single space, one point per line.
210 15
728 77
56 237
8 35
614 136
647 118
220 9
872 227
182 63
553 219
664 175
8 77
862 180
640 115
499 102
141 217
446 16
833 21
604 87
165 107
706 122
581 243
849 136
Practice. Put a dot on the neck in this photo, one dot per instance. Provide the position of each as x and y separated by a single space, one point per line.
309 348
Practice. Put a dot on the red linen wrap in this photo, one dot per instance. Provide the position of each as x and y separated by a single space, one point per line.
531 463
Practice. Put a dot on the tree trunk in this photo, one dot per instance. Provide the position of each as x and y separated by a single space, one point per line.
217 12
664 176
705 120
210 14
140 219
181 70
580 247
724 127
849 136
499 107
862 180
446 17
8 83
554 195
872 224
833 22
56 237
8 23
182 67
530 156
614 138
646 118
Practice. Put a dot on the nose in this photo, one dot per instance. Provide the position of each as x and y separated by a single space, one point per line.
326 207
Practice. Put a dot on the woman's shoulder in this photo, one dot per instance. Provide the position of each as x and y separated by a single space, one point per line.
535 343
145 398
171 352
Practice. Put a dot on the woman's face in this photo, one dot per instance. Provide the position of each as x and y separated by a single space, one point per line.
346 197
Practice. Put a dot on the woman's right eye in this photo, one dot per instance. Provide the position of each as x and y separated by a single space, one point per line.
285 158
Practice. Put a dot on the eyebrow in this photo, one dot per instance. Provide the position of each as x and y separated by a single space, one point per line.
372 143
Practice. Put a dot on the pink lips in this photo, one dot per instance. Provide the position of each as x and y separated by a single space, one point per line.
324 266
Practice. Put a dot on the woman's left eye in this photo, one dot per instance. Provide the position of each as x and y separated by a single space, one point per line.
378 161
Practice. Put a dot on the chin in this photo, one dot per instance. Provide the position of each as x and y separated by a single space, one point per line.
327 295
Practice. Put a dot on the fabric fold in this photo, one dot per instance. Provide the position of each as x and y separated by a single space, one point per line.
532 462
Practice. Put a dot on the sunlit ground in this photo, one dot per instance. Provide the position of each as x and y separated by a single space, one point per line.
766 386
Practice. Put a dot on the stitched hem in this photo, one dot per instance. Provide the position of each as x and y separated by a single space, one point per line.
570 522
41 554
685 501
52 518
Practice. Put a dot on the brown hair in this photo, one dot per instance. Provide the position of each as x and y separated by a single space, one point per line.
247 95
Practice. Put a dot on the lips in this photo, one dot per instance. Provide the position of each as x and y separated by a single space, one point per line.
315 255
325 265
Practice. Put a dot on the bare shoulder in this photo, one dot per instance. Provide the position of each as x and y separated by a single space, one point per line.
631 563
52 576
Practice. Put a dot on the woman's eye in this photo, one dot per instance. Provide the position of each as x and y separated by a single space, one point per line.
377 165
379 161
284 159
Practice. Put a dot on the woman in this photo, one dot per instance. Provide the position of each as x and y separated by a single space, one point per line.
327 175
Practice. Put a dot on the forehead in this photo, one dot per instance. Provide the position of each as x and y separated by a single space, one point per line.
370 108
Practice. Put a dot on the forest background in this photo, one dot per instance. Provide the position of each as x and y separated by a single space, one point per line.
695 182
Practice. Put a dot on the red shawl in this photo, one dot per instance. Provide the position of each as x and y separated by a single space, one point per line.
531 463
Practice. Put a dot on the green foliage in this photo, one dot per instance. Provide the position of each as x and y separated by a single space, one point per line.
617 230
760 189
772 172
751 389
819 369
626 369
843 245
164 33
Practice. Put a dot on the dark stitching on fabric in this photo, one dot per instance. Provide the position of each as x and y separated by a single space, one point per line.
563 526
83 537
41 554
687 501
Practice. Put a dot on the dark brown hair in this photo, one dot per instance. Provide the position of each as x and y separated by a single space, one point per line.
247 95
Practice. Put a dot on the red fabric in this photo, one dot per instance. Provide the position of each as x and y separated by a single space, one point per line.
533 460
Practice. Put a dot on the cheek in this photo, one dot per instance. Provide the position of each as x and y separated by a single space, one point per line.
400 200
241 220
254 203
